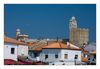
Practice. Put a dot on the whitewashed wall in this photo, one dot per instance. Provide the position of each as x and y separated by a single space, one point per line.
71 54
51 55
22 50
7 51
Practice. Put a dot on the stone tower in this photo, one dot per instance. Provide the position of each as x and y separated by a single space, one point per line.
72 27
77 36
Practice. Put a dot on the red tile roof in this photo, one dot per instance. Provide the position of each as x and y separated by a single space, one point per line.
39 47
84 51
13 41
93 52
84 59
53 44
30 43
59 45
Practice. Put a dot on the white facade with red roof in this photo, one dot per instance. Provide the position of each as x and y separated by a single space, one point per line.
58 51
13 49
10 51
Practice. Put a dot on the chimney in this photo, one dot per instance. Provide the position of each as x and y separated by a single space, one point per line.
47 41
68 44
57 39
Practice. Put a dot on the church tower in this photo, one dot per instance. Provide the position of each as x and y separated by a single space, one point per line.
72 23
17 33
21 37
77 36
72 28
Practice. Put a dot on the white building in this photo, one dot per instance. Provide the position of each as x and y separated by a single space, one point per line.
13 49
59 52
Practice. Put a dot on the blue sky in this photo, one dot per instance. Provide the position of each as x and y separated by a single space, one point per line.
48 20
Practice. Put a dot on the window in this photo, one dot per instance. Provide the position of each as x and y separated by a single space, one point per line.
46 56
35 55
53 64
94 56
76 57
56 56
12 50
66 56
63 64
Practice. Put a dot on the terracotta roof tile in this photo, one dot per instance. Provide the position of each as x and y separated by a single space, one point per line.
93 52
30 43
39 47
53 45
60 46
83 59
13 41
